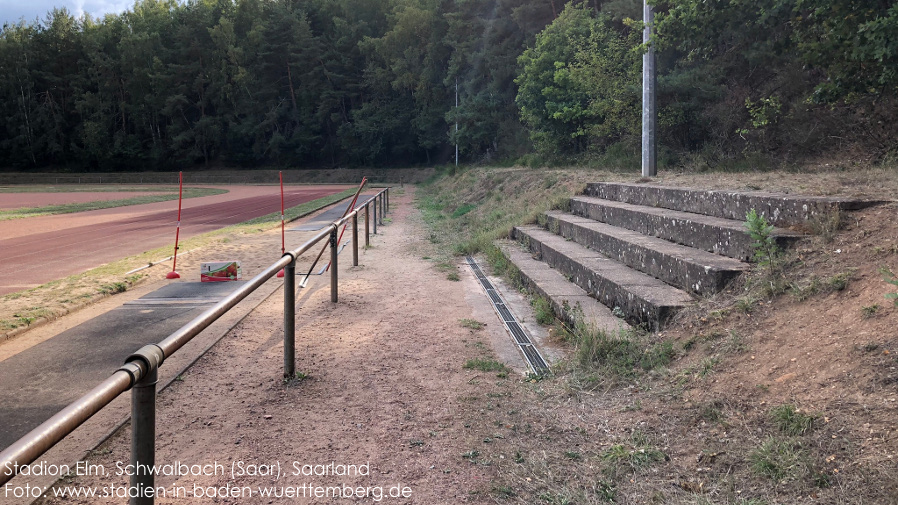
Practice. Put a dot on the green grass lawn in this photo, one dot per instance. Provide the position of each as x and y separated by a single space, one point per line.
68 208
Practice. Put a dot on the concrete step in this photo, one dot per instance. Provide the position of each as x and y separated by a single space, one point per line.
641 297
713 234
570 302
691 269
779 209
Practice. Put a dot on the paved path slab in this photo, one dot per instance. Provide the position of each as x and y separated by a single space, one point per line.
39 382
332 214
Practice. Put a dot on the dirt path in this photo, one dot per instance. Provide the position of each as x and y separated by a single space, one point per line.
383 386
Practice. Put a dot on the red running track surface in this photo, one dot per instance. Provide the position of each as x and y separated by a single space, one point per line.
37 250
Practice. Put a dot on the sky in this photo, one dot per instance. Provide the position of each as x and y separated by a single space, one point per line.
13 10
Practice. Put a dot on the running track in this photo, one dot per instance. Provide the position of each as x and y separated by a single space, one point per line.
37 250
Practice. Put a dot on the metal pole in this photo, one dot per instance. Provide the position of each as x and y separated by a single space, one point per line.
367 234
290 320
355 239
334 265
388 199
375 215
649 113
143 438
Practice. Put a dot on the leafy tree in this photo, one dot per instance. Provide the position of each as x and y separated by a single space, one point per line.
577 87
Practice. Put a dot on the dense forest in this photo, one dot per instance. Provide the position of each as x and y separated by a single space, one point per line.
322 83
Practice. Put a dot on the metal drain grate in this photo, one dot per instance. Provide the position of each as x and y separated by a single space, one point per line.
539 365
528 350
504 312
518 332
477 271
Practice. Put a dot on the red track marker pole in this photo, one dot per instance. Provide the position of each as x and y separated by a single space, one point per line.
283 242
174 274
347 211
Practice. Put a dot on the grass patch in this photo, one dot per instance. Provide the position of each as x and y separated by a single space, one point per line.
868 311
462 210
113 288
638 453
86 188
780 459
68 208
617 355
497 199
471 324
485 365
791 421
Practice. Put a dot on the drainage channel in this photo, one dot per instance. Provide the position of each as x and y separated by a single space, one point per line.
528 350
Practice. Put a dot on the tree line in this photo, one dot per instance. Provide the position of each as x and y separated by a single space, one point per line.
373 82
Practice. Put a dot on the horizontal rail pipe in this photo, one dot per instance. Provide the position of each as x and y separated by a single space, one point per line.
27 449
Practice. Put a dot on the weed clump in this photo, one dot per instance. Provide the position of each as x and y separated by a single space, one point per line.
791 421
542 310
618 354
471 324
780 460
485 365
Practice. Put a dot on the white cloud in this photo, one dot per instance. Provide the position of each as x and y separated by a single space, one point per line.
14 10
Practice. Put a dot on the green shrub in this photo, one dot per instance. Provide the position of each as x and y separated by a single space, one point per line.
542 310
766 250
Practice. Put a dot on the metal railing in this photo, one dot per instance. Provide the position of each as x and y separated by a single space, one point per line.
139 373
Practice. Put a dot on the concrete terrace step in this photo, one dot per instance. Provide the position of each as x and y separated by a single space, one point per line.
641 297
569 301
685 267
779 209
708 233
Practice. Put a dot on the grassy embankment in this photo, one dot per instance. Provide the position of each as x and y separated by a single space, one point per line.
689 416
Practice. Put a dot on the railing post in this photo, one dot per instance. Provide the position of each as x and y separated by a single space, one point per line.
290 320
355 239
388 199
375 215
367 234
334 265
143 438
